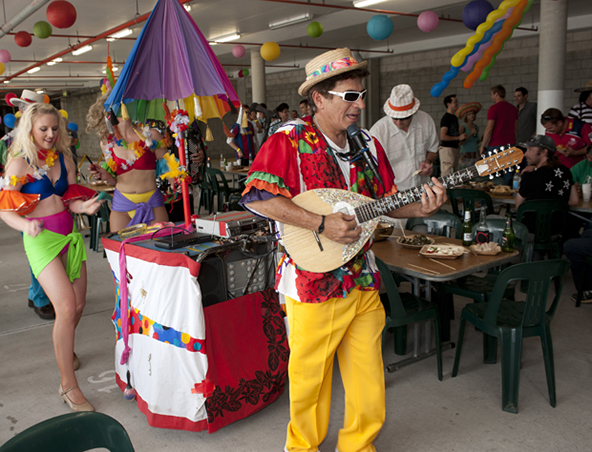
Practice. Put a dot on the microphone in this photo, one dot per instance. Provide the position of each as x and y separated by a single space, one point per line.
355 134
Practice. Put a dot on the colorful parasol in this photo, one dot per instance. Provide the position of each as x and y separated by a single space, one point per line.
171 60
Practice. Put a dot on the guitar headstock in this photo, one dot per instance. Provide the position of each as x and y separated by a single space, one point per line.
503 159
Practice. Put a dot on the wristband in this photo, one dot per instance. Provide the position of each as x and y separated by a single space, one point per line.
322 225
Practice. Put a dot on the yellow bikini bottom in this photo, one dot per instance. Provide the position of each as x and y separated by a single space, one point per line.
137 198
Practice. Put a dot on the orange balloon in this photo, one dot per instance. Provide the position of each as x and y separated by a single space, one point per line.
46 98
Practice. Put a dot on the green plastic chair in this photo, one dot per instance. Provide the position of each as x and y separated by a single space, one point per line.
406 308
468 197
546 212
220 188
441 223
73 432
511 321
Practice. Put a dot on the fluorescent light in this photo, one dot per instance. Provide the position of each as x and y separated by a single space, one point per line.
226 38
120 34
40 91
52 62
115 69
290 21
35 69
187 7
82 50
6 81
364 3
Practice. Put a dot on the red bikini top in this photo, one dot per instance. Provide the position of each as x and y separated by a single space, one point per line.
146 162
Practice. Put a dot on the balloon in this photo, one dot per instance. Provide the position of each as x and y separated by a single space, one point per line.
5 56
73 126
45 99
17 114
427 21
270 51
476 13
380 27
2 68
9 120
64 113
61 14
22 39
238 51
8 98
240 73
459 58
314 29
498 42
246 72
42 29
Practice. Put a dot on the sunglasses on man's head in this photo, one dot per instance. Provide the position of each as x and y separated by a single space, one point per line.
350 96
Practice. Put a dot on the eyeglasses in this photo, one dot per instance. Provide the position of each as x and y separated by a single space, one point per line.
403 119
350 96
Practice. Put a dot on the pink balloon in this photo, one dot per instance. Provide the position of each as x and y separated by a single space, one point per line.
238 51
5 56
427 21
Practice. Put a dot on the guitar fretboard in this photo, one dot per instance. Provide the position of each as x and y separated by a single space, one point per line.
383 206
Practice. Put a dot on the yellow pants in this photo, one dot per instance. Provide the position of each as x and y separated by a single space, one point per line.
352 327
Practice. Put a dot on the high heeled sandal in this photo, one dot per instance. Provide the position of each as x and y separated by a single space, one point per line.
76 362
85 406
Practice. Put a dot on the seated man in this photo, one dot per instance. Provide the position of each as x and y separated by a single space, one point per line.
582 172
549 180
570 135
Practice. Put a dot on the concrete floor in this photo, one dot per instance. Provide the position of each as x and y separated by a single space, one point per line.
461 414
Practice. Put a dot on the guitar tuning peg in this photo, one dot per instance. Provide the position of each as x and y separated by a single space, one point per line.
497 174
489 153
482 156
502 148
491 176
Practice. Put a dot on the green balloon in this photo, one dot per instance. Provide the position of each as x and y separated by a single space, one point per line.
42 29
246 72
314 29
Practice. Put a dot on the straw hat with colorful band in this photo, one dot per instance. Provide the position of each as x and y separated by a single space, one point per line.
28 97
467 108
402 103
588 87
327 65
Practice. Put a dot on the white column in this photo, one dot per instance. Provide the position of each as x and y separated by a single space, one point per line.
258 76
552 38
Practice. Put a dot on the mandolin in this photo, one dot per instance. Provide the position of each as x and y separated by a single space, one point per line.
319 254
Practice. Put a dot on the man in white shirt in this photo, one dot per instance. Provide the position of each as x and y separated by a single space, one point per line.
409 138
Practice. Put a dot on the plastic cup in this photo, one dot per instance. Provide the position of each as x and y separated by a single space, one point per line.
586 191
228 167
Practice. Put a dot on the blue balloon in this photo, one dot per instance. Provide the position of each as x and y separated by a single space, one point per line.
73 126
475 13
9 120
380 27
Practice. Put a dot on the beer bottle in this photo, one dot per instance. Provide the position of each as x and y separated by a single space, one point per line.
508 236
482 235
467 229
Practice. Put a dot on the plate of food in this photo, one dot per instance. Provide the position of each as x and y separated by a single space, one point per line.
486 249
481 185
415 241
383 231
442 251
502 190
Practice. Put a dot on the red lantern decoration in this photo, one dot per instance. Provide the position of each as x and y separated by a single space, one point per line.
61 14
23 39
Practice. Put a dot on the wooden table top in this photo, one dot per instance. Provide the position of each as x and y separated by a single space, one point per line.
405 260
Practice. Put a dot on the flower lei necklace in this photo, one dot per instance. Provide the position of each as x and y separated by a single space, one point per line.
139 147
49 156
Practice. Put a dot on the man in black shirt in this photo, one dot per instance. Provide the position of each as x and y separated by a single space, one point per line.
450 137
549 179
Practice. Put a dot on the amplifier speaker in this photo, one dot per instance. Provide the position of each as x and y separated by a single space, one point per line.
212 281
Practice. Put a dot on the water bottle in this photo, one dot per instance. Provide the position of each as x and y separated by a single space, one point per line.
516 180
482 235
221 160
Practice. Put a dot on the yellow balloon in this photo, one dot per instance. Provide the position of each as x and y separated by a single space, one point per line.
17 114
64 113
2 68
270 51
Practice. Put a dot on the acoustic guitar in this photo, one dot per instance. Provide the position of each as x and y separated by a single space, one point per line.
317 253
